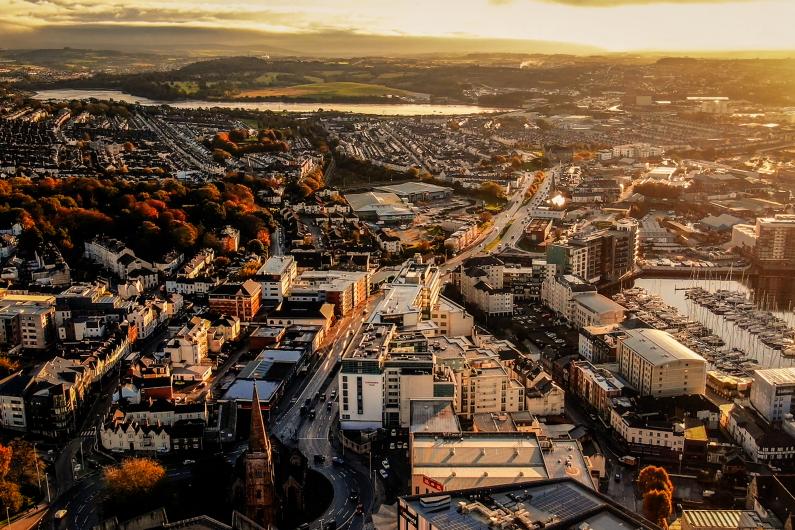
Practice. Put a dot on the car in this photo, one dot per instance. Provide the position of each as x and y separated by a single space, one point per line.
328 405
392 445
359 509
394 433
405 445
311 415
617 478
384 473
593 417
354 496
319 459
337 461
188 462
385 463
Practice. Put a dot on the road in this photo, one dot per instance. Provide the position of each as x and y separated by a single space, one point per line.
623 490
511 217
312 436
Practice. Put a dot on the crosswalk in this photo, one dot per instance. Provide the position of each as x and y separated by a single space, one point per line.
89 433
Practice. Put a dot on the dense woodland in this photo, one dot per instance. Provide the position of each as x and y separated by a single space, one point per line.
151 216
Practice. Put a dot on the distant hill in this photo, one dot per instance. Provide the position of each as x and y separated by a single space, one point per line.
218 41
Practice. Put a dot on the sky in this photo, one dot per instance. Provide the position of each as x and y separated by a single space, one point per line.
612 25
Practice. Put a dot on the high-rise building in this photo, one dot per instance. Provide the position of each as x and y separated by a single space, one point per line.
775 241
603 255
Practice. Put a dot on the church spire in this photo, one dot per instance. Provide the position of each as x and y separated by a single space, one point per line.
258 441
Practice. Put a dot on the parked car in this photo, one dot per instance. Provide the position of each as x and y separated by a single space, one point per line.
337 461
385 463
188 462
384 473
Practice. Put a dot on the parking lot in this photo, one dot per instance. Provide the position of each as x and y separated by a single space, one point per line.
534 327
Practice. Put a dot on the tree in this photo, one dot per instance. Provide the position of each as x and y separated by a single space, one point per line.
10 497
220 156
492 189
657 506
25 464
654 478
256 246
657 490
135 477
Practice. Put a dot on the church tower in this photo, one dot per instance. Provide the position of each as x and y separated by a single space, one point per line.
260 488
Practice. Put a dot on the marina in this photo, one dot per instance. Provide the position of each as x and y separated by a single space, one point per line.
765 333
696 335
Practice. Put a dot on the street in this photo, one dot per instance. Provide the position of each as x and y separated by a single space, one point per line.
511 217
312 436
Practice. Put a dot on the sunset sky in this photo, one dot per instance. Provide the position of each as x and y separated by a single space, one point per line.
615 25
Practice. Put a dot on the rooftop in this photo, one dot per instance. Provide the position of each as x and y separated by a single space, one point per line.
482 459
551 503
433 415
776 376
597 303
276 265
658 347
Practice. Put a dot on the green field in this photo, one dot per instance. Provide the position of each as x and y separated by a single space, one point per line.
325 90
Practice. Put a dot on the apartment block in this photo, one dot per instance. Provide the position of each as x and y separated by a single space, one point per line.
239 299
276 277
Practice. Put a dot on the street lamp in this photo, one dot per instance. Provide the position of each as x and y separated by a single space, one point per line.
36 460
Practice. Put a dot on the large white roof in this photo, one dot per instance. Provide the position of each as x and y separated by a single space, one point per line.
658 347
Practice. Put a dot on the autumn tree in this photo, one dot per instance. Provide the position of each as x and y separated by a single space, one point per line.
492 189
10 496
657 507
654 478
657 491
134 477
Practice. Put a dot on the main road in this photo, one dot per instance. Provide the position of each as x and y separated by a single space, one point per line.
312 436
510 220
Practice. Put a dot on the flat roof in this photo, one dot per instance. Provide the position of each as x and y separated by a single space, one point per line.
712 519
776 376
360 201
276 265
658 347
243 389
597 303
433 415
554 503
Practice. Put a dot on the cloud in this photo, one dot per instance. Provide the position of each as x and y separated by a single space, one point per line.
617 3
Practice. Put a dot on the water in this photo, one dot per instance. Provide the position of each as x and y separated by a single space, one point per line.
672 291
383 109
